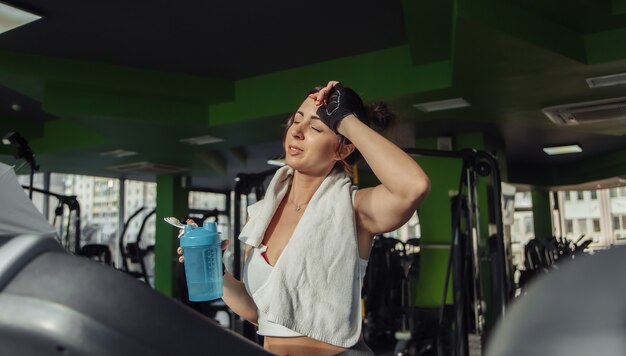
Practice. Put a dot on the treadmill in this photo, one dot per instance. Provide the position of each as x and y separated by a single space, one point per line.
54 303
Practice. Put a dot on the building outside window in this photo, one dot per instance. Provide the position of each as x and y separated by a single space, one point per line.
522 228
596 225
569 226
407 231
598 217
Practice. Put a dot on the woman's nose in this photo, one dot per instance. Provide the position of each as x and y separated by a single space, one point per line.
296 131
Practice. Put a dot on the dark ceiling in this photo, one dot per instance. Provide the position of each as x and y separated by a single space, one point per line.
91 77
226 39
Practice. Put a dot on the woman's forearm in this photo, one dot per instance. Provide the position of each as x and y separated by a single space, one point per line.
395 169
237 298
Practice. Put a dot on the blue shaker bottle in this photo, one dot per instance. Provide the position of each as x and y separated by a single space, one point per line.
202 249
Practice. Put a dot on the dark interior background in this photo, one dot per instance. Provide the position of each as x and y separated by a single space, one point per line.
93 77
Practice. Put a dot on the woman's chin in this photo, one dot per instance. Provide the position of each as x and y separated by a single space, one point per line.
292 162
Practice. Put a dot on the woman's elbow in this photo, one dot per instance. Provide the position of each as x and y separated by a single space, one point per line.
250 315
421 190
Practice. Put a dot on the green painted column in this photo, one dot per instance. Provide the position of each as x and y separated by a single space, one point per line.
171 200
542 214
435 218
435 224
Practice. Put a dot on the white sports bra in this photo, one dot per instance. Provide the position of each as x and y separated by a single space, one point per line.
256 270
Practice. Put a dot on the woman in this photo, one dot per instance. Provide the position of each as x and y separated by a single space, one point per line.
309 239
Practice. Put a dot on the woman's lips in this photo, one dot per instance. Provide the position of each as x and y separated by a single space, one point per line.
294 150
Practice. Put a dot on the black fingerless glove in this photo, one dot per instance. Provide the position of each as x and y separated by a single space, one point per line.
340 103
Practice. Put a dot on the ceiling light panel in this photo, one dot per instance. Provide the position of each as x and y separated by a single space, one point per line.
11 17
442 105
561 150
118 153
201 140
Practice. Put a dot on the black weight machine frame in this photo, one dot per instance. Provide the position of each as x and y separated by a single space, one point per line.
474 163
132 250
245 183
23 151
73 205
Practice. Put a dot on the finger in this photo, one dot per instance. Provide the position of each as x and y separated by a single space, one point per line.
181 259
191 222
317 98
321 95
225 244
179 250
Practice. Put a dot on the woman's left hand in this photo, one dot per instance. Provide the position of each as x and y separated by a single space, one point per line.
320 96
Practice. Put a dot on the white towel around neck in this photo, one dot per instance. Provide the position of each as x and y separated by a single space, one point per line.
314 287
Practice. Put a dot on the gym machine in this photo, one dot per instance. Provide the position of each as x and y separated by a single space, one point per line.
575 310
133 252
23 151
69 242
52 302
464 258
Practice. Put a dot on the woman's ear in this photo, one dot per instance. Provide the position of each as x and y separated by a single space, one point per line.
344 151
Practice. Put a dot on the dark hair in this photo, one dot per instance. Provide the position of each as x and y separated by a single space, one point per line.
378 116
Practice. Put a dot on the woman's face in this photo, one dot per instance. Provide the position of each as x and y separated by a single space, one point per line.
310 145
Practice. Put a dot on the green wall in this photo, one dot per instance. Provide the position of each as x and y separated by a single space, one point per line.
435 223
542 214
171 200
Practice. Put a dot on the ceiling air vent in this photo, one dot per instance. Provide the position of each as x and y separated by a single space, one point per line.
588 112
146 168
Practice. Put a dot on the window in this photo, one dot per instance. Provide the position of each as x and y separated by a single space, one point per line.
409 230
99 208
207 200
515 229
617 192
213 201
616 224
528 224
137 195
569 226
600 215
582 226
596 225
523 200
